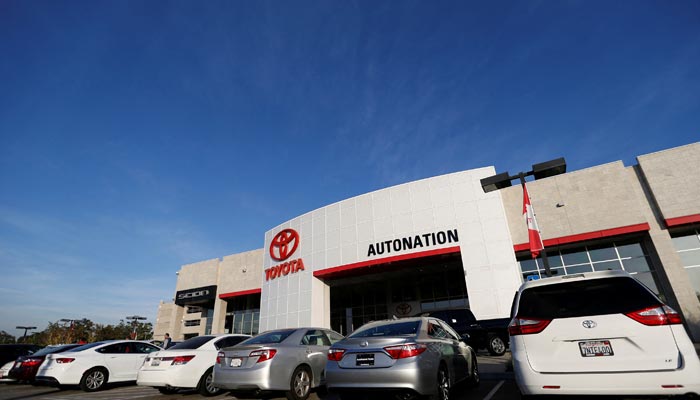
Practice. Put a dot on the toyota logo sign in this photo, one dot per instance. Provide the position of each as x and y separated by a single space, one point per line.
589 324
284 244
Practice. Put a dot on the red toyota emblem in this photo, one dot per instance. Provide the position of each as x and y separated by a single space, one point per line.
284 244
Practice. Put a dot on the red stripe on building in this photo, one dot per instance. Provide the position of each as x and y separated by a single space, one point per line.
588 236
328 272
688 219
241 293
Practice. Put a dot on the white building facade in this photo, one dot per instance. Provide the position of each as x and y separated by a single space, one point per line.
442 243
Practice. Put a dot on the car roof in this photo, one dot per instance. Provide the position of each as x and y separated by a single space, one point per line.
554 280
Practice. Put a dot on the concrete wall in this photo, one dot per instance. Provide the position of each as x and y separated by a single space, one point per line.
674 178
590 200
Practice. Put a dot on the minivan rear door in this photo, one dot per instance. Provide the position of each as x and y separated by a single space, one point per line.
589 331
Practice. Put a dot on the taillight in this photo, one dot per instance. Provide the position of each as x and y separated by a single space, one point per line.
32 362
405 350
220 357
181 360
527 326
335 354
263 354
65 360
656 315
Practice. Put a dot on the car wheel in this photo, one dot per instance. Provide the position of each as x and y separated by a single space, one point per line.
496 346
94 379
167 390
300 384
206 384
474 379
443 384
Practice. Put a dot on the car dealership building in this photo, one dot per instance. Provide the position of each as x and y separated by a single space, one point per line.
442 242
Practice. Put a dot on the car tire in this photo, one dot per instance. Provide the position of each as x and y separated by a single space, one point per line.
300 384
474 379
206 384
442 384
167 390
496 346
94 379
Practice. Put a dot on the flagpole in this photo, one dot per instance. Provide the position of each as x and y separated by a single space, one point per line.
543 253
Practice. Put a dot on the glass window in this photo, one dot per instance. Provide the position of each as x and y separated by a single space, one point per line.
607 265
579 269
390 329
647 278
690 257
602 253
630 250
436 331
194 343
686 242
144 348
636 264
334 336
270 337
528 265
583 298
694 274
572 257
554 260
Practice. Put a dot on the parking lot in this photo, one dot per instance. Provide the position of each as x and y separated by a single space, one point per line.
497 384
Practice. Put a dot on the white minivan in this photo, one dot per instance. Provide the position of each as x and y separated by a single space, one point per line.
599 333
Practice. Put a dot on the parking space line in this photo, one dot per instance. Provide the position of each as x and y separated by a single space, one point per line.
494 390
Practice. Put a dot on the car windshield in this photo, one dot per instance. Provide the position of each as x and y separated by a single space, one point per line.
192 343
85 347
618 295
269 337
396 329
54 349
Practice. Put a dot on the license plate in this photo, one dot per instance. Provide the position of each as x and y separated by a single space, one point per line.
364 360
596 348
236 362
155 362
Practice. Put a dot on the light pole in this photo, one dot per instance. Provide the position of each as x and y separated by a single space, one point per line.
134 321
539 171
26 328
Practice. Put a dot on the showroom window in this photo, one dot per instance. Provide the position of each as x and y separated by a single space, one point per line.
243 315
627 255
688 247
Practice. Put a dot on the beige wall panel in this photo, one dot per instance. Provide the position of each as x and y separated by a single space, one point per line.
592 199
203 273
674 177
240 272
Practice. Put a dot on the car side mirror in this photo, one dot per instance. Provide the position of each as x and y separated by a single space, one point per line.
466 337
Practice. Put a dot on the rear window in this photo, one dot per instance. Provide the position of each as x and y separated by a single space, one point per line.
269 337
192 343
395 329
54 349
582 298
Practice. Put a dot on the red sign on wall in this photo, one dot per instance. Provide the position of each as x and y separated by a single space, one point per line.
284 244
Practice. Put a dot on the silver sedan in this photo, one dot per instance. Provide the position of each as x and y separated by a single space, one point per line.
289 360
410 356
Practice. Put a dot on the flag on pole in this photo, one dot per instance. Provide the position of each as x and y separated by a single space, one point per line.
532 229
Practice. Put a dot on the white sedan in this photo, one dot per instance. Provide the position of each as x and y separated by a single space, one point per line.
187 365
93 365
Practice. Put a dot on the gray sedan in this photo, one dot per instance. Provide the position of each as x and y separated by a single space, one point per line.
410 356
289 360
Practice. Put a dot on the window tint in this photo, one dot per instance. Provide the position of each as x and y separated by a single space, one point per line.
270 337
86 346
117 348
144 348
436 331
315 338
395 329
229 341
450 332
54 349
334 337
582 298
192 343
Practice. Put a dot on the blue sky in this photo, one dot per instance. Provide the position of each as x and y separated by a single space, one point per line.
139 136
